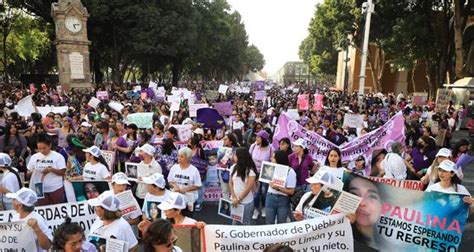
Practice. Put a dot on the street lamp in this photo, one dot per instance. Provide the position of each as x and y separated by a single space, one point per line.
344 45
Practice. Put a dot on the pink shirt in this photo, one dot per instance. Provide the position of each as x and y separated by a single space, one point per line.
260 154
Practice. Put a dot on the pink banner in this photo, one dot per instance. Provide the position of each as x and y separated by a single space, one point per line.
319 146
224 108
318 102
303 102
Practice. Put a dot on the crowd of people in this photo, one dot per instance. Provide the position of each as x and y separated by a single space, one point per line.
43 151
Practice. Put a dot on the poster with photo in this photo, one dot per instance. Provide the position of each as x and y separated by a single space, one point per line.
39 190
330 201
224 156
135 170
189 238
275 173
153 212
85 190
226 209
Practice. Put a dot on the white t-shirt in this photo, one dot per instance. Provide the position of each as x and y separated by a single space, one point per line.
10 182
119 229
237 125
38 162
437 188
394 167
290 183
41 224
186 178
188 221
150 199
152 168
96 171
336 172
239 186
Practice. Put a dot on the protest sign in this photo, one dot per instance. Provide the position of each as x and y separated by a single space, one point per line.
184 132
419 98
223 89
318 146
173 99
407 184
331 233
331 201
224 155
142 120
259 85
411 220
212 95
143 95
440 137
102 95
318 102
383 114
32 88
293 114
224 108
115 245
93 102
260 95
129 205
117 106
353 121
152 85
174 106
194 107
86 190
227 210
135 170
54 215
17 236
303 102
189 238
109 157
443 96
25 106
271 172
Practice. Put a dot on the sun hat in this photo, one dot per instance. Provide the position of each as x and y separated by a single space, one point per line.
106 200
120 178
155 179
25 196
174 201
325 178
147 148
94 151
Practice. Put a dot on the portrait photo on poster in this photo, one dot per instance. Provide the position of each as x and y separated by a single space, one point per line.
225 208
85 190
131 169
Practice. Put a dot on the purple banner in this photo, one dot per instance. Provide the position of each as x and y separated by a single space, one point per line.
259 85
224 108
393 130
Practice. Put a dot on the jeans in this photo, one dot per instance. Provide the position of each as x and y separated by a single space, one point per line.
200 198
248 211
224 187
276 206
260 195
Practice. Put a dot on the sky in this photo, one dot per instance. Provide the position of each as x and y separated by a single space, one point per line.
276 27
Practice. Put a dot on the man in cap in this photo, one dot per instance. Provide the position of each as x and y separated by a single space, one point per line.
24 204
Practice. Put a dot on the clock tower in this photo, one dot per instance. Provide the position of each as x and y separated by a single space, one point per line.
72 45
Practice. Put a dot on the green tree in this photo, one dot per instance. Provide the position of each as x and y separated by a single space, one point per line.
254 60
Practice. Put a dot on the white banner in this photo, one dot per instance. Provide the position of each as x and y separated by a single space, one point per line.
332 233
17 236
25 106
55 215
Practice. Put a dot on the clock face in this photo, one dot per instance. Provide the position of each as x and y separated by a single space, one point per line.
73 24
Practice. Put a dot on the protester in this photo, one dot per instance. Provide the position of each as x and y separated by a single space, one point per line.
160 237
175 208
96 168
69 237
242 183
260 151
119 182
393 165
449 182
199 161
421 156
13 139
166 156
109 222
301 162
24 204
10 182
47 169
156 193
360 167
184 177
317 181
277 204
431 174
333 163
151 166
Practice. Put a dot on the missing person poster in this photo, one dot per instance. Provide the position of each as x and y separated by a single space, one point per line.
331 233
276 173
129 205
409 220
331 201
86 190
227 210
17 236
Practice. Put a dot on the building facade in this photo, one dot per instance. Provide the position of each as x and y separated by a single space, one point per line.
292 72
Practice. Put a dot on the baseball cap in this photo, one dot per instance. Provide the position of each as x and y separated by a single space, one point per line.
199 131
147 148
86 124
325 178
106 200
25 196
155 179
174 201
5 160
448 165
444 152
263 134
300 142
120 178
94 151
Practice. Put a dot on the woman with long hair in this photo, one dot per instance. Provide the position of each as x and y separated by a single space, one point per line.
431 173
241 183
260 151
96 167
199 161
461 147
159 236
69 237
333 163
62 132
119 145
14 139
166 155
420 157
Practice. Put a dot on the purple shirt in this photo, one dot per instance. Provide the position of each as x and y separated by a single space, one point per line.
421 160
305 166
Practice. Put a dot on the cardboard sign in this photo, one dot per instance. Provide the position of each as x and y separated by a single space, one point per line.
223 89
102 95
94 102
443 96
194 107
